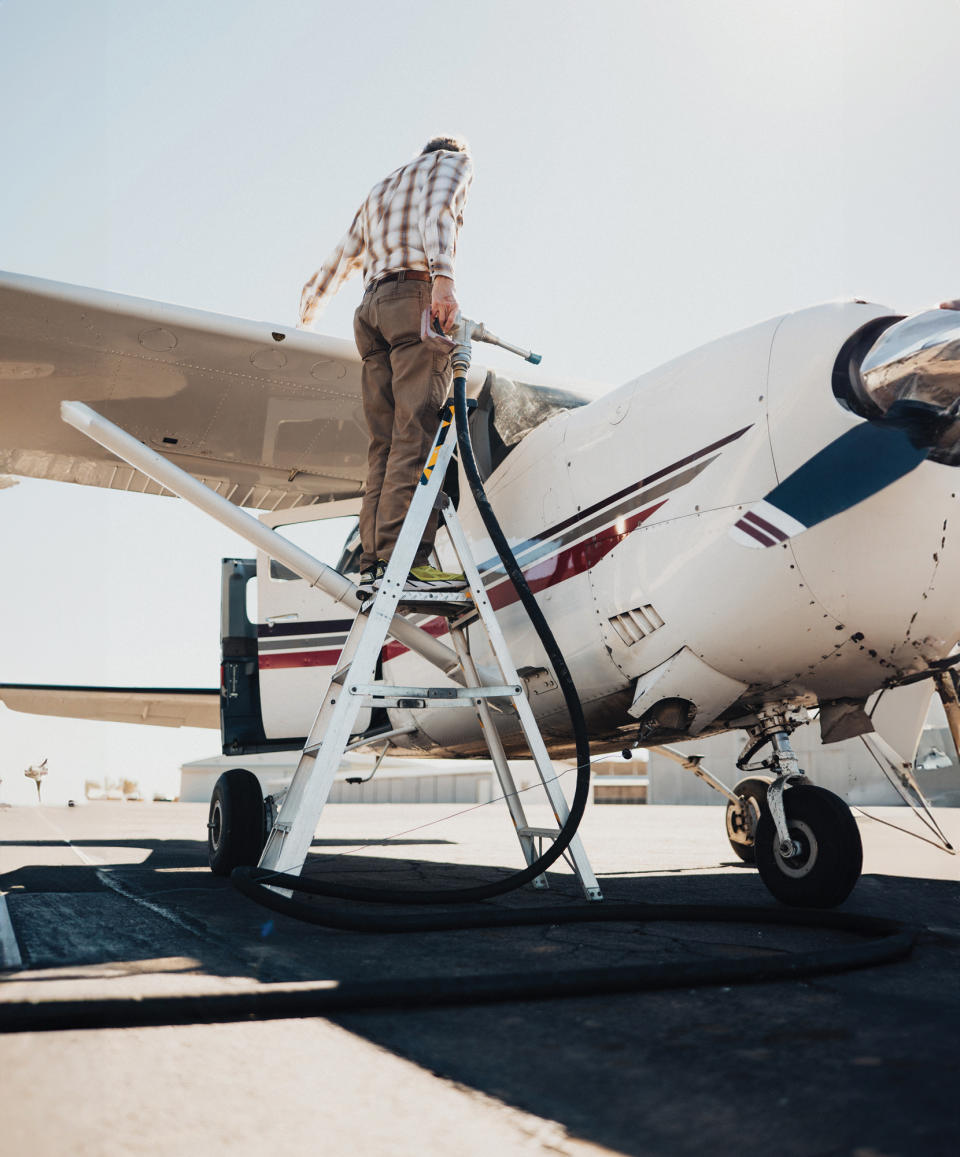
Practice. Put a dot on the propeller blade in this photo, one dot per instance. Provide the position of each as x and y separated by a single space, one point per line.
855 466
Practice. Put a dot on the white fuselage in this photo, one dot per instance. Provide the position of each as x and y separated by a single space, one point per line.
620 512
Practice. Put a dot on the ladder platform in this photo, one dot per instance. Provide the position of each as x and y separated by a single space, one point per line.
543 833
447 604
460 598
441 610
437 695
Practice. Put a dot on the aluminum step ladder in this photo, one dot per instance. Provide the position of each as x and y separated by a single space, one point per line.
354 687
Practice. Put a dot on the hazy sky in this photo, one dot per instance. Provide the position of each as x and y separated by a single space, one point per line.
649 175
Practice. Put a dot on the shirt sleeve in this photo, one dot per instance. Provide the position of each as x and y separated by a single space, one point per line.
342 263
442 200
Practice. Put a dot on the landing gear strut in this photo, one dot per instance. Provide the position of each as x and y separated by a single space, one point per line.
803 839
806 844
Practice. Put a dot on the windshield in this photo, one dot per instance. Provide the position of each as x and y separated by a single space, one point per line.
507 411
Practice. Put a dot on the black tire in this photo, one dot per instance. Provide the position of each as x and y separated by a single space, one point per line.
824 873
236 826
742 822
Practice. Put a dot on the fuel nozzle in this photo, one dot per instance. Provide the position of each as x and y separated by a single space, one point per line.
459 341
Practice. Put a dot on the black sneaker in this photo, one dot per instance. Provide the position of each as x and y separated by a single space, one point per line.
370 579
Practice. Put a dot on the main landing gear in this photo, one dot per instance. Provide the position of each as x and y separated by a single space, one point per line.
239 821
803 839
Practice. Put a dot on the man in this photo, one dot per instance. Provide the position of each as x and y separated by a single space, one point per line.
404 238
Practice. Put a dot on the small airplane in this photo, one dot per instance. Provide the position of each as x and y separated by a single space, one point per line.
765 527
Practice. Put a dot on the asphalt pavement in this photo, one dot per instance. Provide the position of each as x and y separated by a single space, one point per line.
115 900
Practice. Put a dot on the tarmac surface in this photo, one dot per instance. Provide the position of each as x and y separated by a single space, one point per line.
116 900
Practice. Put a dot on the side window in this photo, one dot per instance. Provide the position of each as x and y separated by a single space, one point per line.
349 562
328 539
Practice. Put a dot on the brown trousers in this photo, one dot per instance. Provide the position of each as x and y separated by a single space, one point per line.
404 384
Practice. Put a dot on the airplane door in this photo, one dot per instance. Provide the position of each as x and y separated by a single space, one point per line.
301 630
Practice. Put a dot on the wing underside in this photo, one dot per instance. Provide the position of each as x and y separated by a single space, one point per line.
269 416
156 706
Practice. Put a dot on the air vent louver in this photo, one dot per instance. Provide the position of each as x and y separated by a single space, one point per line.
632 626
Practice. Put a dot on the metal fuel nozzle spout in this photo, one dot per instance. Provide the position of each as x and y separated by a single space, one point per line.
459 341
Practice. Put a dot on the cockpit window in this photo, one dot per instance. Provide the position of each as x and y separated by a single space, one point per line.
507 411
324 539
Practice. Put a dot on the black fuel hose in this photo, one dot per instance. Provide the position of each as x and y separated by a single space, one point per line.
252 881
883 942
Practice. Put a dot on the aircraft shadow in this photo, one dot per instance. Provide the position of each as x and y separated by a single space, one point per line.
673 1072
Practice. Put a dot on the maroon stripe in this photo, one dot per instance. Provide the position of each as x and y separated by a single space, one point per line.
754 533
274 661
572 561
583 514
767 526
547 573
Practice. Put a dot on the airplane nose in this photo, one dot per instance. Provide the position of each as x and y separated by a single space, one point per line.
918 359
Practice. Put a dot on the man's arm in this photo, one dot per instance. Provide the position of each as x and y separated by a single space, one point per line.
342 263
441 215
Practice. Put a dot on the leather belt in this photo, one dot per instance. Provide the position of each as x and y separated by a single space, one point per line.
400 275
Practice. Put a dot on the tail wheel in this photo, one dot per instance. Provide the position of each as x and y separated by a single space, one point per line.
829 854
742 820
236 826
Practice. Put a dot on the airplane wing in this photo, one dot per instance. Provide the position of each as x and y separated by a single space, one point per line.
267 415
160 707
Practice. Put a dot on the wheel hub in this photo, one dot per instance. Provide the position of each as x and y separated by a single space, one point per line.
799 857
215 826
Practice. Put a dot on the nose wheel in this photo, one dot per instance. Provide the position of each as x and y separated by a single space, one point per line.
825 856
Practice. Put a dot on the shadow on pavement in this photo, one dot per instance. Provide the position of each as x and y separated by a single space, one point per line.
855 1062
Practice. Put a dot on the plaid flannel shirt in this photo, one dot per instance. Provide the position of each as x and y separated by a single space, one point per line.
410 220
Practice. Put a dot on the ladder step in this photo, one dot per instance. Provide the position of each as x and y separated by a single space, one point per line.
546 833
460 598
436 694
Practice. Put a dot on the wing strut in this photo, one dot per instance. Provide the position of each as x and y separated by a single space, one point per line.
185 486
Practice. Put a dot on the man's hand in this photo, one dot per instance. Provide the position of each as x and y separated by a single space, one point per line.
950 304
443 303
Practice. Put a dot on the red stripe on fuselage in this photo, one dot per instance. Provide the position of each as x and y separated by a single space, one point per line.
572 561
272 661
548 573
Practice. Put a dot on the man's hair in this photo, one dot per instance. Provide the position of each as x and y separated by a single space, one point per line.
451 144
